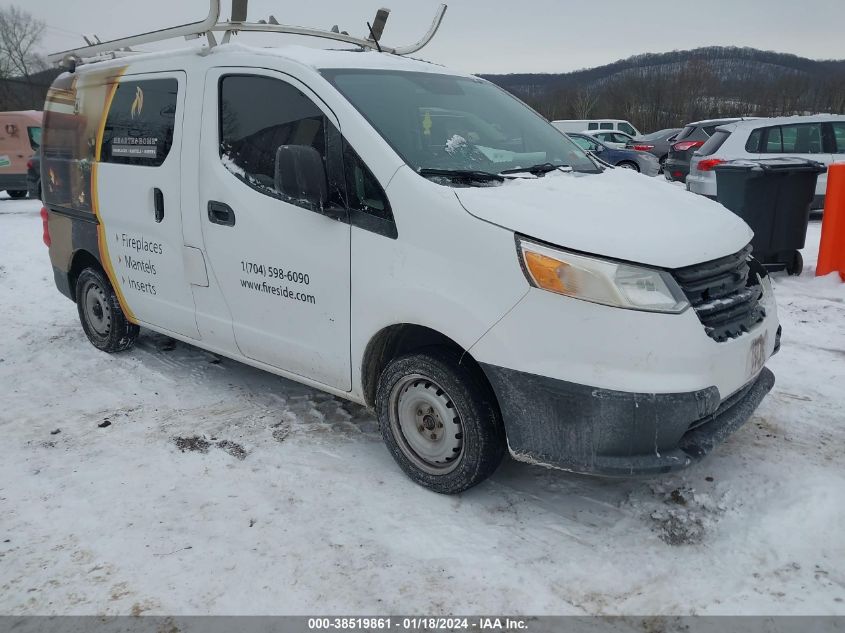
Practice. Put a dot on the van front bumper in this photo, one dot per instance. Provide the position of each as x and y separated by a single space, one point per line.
615 433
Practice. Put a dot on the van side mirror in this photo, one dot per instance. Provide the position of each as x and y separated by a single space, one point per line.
300 174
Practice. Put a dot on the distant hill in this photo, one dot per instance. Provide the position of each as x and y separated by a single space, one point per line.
658 90
654 90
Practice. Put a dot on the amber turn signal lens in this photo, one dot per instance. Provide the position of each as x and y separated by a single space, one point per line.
545 271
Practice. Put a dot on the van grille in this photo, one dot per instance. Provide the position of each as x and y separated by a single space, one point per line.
726 301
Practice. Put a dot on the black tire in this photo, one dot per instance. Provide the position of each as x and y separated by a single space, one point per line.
662 164
16 194
626 164
439 373
796 266
100 313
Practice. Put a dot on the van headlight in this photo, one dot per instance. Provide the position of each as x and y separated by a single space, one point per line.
599 280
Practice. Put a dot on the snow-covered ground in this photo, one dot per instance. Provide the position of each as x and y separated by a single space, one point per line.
288 503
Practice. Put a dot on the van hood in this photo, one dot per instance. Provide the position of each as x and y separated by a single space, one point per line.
618 213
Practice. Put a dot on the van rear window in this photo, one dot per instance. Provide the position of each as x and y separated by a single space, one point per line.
140 124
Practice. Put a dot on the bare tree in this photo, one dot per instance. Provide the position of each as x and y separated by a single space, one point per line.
584 103
20 34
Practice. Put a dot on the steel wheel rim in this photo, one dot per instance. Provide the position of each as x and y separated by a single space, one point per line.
97 309
426 425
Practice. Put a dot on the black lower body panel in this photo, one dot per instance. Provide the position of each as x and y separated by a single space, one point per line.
63 283
676 170
600 431
13 182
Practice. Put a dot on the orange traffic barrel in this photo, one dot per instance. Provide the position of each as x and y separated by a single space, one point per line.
832 247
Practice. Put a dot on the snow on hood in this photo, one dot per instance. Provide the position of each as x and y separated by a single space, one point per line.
619 214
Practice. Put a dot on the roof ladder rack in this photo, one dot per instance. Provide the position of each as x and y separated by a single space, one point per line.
237 23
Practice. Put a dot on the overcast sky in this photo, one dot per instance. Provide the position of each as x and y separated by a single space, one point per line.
495 35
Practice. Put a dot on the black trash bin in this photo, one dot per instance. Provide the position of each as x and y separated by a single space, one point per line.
773 196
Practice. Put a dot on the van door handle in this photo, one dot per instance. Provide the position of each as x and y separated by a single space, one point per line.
158 203
220 213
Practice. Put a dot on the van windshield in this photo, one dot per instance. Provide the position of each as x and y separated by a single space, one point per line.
34 137
444 122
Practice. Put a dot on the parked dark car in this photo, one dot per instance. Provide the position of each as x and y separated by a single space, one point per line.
33 177
656 143
689 139
642 162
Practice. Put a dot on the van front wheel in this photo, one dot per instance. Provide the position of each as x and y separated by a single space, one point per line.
440 420
100 313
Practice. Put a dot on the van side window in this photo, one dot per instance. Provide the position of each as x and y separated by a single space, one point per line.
593 126
363 191
139 127
606 126
839 135
260 114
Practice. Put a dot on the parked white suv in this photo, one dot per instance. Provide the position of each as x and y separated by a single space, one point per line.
820 138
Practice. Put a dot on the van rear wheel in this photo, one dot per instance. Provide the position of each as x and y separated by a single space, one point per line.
100 313
440 420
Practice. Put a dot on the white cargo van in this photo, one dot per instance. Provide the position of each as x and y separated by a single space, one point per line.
409 238
596 125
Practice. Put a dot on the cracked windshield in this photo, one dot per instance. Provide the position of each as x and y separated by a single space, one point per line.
445 123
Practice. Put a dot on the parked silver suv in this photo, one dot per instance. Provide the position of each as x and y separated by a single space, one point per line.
820 138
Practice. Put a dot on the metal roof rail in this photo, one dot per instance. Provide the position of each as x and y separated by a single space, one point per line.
143 38
211 24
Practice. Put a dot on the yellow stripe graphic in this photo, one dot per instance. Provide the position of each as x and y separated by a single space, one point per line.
102 235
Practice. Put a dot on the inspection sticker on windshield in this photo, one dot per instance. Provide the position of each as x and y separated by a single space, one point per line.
757 354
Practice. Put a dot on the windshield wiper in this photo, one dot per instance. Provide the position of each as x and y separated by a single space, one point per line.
540 169
461 175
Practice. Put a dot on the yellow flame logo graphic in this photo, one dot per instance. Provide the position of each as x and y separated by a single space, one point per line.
138 103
